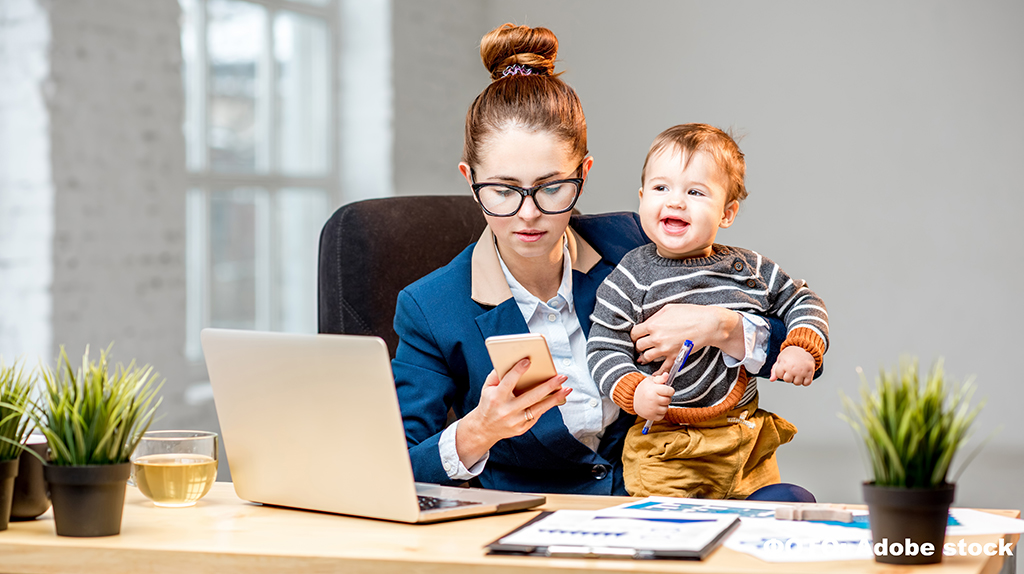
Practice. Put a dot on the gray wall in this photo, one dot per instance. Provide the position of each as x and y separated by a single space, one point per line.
883 143
437 73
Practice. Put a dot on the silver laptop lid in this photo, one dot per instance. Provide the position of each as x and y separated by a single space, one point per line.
311 421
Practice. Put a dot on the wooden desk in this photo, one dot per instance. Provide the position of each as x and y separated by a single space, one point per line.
224 534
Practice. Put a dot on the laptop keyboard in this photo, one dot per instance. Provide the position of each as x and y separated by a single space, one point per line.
431 503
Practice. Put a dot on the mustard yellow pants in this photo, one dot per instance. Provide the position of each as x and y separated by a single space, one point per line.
730 456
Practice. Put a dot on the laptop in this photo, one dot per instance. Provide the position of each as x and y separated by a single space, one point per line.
312 422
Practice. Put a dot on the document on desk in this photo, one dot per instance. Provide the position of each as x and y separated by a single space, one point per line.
771 540
760 534
591 534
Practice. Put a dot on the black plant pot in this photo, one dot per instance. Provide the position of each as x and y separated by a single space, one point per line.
30 492
8 470
87 500
905 520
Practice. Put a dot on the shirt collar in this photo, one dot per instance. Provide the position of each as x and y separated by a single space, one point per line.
528 302
489 286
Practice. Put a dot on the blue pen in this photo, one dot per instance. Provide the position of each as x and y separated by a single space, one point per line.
677 366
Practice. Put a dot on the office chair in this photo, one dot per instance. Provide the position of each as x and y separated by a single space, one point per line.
370 250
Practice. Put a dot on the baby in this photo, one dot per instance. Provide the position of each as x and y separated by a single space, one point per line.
712 440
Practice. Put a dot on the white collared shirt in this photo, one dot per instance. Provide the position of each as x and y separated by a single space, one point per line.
586 414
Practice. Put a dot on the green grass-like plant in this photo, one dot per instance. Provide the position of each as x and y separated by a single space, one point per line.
911 428
15 398
94 415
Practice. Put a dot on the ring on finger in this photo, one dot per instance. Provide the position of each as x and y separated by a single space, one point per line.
529 414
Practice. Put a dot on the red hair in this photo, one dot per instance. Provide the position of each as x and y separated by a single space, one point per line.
524 92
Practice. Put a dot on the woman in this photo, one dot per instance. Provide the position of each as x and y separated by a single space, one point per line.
536 268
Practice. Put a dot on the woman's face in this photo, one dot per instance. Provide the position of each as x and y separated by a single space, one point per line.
523 158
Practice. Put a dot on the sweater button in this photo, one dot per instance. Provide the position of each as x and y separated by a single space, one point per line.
751 283
738 265
599 472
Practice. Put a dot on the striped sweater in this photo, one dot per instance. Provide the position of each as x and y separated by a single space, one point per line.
731 277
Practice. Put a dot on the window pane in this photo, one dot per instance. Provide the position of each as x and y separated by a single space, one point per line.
301 50
236 40
195 271
300 215
233 266
192 73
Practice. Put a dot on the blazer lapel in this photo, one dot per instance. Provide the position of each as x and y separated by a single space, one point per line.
584 296
505 319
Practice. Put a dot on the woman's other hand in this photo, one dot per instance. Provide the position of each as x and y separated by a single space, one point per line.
662 335
501 414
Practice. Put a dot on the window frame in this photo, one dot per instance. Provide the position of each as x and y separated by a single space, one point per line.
203 181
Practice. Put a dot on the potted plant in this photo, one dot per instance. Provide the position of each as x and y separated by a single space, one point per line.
92 417
15 397
911 429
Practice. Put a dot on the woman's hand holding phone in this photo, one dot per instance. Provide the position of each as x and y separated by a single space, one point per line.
507 350
501 413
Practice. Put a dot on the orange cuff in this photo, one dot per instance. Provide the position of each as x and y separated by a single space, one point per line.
685 415
624 389
807 340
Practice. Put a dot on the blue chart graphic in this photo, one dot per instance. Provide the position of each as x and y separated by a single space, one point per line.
861 521
563 532
703 508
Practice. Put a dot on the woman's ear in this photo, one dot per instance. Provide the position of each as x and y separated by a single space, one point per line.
729 214
466 172
588 163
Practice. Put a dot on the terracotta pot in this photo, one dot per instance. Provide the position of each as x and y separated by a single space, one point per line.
908 525
87 500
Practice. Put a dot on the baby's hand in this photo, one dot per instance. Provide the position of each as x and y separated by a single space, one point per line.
794 365
652 397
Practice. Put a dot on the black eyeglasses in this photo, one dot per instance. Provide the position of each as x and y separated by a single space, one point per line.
504 200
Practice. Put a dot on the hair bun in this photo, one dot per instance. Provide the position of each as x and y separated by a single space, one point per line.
508 44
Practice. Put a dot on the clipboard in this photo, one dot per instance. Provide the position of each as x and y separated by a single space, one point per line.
659 539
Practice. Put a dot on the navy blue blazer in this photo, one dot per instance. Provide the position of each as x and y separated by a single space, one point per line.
441 363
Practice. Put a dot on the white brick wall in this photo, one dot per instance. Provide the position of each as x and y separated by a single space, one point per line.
26 189
92 181
119 179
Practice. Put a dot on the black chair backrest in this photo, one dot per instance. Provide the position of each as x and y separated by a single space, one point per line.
370 250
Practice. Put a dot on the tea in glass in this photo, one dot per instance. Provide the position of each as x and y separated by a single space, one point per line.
175 468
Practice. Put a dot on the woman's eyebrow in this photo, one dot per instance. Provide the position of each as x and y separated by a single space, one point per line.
516 180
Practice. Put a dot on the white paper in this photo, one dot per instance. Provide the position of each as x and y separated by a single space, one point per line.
972 522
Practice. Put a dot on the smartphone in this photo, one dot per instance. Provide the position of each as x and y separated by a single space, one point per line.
507 350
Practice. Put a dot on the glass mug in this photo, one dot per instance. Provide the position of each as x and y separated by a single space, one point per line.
175 468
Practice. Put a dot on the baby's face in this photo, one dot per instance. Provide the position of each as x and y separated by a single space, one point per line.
682 208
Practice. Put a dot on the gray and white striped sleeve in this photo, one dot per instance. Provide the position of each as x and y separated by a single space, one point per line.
794 302
610 350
